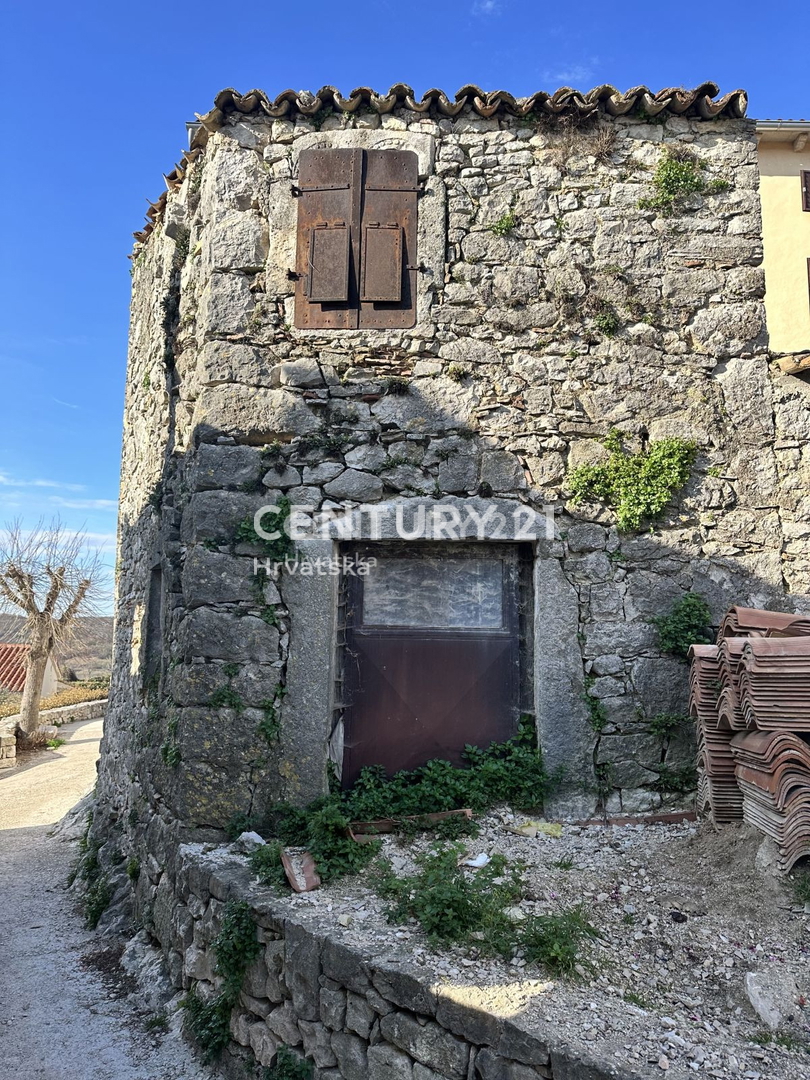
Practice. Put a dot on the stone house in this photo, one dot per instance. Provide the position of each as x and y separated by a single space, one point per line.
411 321
13 671
784 169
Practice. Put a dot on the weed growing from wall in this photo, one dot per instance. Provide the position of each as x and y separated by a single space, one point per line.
679 174
506 224
288 1066
597 715
98 891
636 486
275 521
170 750
688 623
235 948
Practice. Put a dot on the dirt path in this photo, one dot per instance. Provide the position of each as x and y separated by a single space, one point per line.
60 1017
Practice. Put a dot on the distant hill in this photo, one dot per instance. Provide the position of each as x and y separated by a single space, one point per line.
88 654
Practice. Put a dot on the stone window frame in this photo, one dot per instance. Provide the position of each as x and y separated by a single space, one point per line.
565 735
431 226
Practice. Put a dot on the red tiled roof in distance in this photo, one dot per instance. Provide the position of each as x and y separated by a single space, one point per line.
12 667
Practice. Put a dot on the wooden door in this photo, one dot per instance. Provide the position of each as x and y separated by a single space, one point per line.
432 659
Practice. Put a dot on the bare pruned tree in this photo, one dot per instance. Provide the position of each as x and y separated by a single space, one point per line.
48 575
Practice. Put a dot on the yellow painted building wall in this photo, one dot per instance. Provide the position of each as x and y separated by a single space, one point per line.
786 241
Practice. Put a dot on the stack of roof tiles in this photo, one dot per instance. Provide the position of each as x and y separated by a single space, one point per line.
750 700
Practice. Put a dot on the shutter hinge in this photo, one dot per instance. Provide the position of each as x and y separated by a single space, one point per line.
295 191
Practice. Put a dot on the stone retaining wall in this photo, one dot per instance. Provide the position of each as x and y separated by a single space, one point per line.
8 747
66 714
359 1015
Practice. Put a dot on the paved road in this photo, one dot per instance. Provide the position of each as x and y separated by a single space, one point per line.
60 1019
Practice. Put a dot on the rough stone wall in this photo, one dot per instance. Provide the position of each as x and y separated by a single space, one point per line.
356 1015
510 384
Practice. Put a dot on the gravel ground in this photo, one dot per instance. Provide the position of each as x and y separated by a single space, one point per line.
668 990
65 1010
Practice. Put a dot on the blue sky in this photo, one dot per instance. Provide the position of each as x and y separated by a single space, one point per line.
95 99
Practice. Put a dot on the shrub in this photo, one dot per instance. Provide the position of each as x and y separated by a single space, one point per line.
686 624
504 773
506 224
637 486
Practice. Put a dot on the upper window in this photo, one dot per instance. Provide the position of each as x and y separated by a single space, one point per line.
356 254
806 191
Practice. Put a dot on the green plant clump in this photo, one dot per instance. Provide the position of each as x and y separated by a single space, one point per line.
688 623
281 546
637 486
288 1066
506 224
679 175
454 907
504 773
235 947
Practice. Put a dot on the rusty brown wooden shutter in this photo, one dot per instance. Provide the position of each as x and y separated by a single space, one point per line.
388 261
356 245
806 191
328 238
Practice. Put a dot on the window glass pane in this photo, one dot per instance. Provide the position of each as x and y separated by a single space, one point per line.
434 593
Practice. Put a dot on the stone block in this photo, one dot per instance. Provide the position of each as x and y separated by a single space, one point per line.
333 1008
584 536
489 1065
662 684
216 515
238 241
367 457
385 1062
345 967
459 473
282 1022
359 1015
280 481
355 485
254 415
274 988
216 635
231 180
502 471
211 577
226 304
302 969
215 467
255 979
351 1056
428 1043
263 1042
725 330
522 1046
227 362
317 1044
405 988
303 373
323 472
468 1020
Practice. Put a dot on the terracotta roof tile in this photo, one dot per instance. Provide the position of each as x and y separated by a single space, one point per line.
12 667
